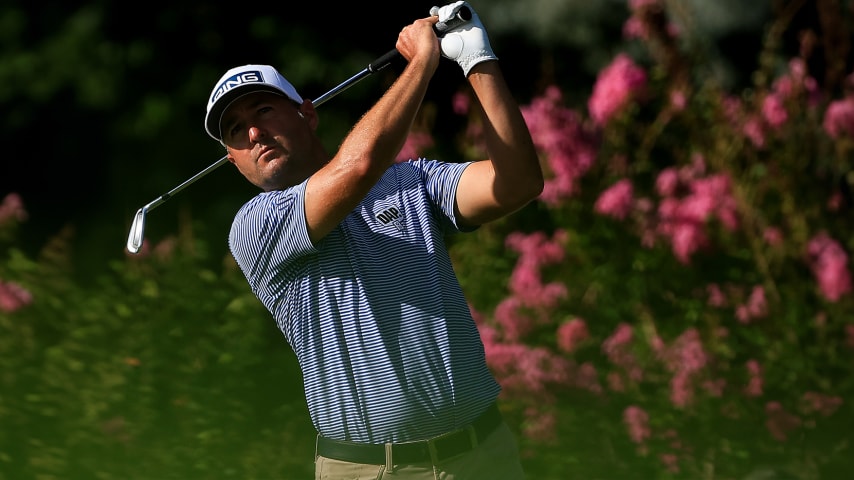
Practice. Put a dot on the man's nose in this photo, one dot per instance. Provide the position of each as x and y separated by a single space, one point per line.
255 133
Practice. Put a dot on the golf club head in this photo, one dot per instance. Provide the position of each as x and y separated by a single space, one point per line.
137 231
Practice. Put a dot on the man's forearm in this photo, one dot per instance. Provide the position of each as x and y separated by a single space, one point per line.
518 176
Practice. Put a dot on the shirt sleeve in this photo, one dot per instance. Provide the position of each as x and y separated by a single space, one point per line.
441 180
270 231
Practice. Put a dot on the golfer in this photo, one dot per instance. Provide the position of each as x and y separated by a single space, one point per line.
347 252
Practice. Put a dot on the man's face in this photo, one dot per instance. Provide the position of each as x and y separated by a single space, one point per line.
268 139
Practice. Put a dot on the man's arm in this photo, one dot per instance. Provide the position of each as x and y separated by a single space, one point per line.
374 142
512 176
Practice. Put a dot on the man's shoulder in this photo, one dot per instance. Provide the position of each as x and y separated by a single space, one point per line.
265 199
422 165
260 208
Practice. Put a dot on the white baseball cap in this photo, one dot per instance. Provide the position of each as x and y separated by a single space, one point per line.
240 81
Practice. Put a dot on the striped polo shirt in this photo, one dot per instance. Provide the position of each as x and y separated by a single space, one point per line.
374 312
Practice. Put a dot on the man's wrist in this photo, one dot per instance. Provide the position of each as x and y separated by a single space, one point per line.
475 59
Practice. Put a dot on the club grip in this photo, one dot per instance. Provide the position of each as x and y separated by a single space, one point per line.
463 16
383 61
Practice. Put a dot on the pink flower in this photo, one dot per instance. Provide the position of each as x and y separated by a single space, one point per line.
415 143
619 339
752 129
616 201
780 422
797 83
513 323
636 5
755 307
571 334
824 405
635 28
829 264
521 368
687 352
716 295
570 148
755 381
587 378
12 208
756 304
839 118
617 349
713 196
686 239
667 182
836 201
13 297
540 424
681 389
773 236
617 84
774 111
678 100
637 423
461 103
670 462
683 219
733 109
536 251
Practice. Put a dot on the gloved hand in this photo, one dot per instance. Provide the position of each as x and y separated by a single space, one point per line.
466 44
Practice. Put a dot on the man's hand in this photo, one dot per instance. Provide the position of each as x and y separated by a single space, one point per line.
466 44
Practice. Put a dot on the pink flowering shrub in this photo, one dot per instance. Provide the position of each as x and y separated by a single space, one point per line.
689 282
617 86
568 145
13 296
838 121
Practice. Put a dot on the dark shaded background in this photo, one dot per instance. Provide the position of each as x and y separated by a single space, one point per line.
103 101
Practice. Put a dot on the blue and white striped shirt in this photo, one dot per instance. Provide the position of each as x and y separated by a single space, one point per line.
374 312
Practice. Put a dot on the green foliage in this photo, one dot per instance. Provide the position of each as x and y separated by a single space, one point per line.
162 368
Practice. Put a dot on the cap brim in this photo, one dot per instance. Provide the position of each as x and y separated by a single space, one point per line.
214 116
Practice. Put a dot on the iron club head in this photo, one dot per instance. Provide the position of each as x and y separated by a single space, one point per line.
137 231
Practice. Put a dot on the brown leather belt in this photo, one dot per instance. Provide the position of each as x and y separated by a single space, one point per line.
433 450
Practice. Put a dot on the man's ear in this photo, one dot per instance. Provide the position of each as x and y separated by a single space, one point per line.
307 112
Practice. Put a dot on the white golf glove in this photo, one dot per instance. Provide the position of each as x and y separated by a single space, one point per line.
466 44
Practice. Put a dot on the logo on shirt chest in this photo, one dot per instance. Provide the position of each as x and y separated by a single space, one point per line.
388 214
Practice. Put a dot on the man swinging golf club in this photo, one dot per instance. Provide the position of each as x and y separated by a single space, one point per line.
347 252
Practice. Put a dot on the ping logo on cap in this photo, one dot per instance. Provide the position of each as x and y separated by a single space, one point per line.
236 80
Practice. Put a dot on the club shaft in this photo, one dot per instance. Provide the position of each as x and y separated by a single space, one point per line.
381 62
137 231
162 198
373 67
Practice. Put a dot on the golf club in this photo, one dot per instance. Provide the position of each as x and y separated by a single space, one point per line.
137 229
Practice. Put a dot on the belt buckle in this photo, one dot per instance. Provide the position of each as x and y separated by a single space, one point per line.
434 451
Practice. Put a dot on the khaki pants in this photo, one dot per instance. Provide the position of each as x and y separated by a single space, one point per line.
496 458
